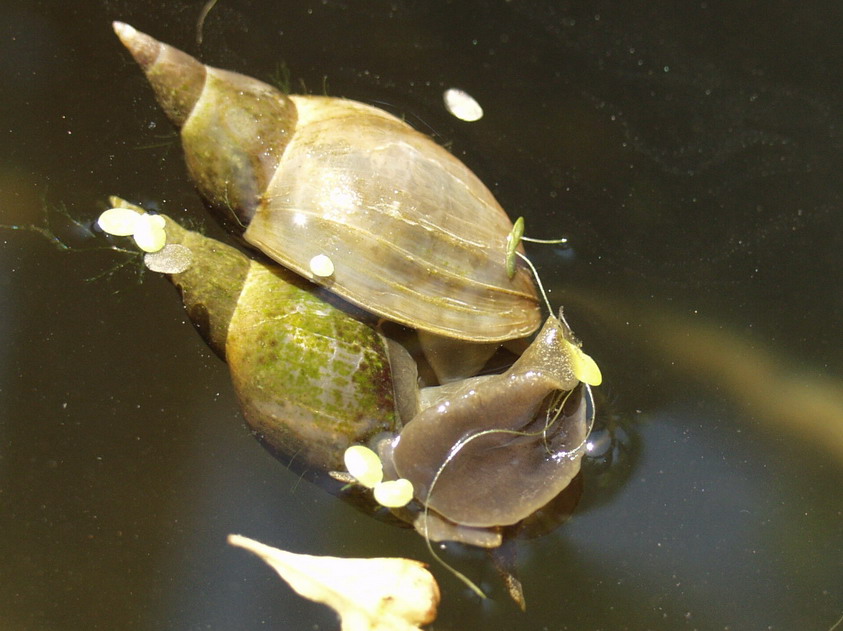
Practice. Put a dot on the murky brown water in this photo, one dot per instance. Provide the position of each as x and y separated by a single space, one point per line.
690 152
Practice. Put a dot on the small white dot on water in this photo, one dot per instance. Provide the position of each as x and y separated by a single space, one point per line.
462 105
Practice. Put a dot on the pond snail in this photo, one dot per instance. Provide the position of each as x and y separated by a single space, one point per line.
348 198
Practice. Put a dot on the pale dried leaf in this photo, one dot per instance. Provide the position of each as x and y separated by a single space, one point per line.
378 594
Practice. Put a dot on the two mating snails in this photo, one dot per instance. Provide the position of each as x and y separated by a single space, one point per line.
390 262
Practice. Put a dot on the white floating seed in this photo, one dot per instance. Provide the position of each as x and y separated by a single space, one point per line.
156 220
364 464
322 266
462 105
394 493
149 235
120 222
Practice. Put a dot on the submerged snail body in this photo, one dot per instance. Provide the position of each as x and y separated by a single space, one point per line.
411 236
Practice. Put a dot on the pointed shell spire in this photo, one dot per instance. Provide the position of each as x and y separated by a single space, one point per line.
176 77
234 128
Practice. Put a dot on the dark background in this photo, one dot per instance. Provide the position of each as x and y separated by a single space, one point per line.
691 152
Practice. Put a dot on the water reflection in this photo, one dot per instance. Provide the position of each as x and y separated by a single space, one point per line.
780 394
686 536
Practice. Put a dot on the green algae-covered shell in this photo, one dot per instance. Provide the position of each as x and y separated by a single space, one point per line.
311 378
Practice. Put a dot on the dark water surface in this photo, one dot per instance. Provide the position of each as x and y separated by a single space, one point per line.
692 153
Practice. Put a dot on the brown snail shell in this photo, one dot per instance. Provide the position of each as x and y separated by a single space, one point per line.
414 236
